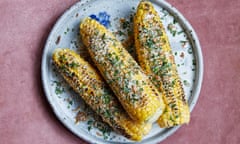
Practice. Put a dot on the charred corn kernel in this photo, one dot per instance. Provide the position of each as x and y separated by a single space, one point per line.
137 94
156 59
85 80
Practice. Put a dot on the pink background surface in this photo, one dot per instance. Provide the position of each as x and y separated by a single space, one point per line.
26 117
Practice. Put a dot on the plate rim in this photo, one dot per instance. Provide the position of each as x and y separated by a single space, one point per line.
194 42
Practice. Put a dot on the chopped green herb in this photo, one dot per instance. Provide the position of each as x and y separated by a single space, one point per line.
120 33
105 129
105 136
156 69
172 29
74 65
172 119
194 62
180 32
150 43
186 83
174 33
117 58
103 36
126 90
137 82
131 17
116 72
173 82
164 12
62 58
174 21
134 98
89 128
106 99
107 114
144 83
183 42
173 105
58 89
190 51
165 110
57 83
125 24
165 66
159 32
90 122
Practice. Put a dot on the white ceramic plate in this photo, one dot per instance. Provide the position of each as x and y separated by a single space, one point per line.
65 34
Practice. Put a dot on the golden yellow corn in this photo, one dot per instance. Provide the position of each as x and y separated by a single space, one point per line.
138 96
156 59
85 80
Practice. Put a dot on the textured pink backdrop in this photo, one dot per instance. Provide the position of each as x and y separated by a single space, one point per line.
26 117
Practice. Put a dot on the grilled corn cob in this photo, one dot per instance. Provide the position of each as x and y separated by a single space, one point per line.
156 59
137 94
85 80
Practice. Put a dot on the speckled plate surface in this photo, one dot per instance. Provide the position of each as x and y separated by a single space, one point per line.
65 34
